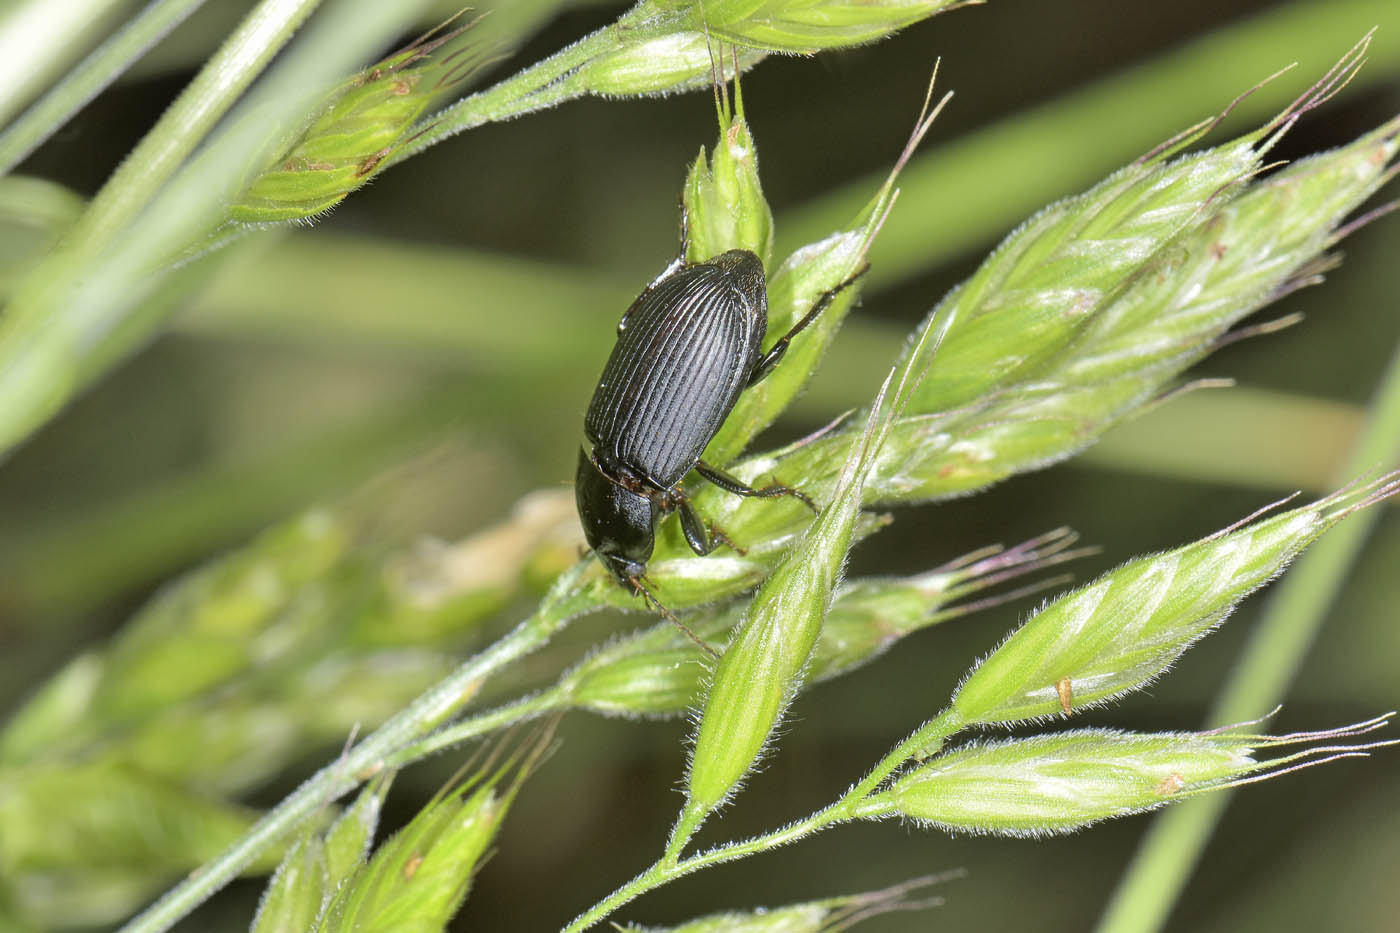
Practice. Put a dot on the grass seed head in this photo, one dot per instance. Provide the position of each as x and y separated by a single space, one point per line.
808 26
1122 631
364 122
1052 784
1238 255
723 198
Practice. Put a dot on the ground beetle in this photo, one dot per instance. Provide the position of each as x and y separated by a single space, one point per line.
686 349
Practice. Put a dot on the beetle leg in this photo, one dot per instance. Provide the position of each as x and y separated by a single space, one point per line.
718 537
733 484
775 353
696 535
702 538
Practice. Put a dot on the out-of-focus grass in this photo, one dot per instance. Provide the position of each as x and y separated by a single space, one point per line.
45 40
76 562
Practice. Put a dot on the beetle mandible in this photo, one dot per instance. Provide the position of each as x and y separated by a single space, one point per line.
686 349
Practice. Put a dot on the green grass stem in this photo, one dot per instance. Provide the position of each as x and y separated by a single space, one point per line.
553 700
86 307
536 88
87 80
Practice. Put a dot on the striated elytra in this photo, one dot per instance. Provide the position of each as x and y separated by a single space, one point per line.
686 349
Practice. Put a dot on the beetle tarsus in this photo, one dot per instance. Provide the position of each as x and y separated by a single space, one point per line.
737 486
802 497
718 537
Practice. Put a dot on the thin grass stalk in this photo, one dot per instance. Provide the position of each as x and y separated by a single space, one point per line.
930 735
89 78
663 46
538 87
1260 679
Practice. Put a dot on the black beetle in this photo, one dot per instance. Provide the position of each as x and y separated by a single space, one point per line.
686 349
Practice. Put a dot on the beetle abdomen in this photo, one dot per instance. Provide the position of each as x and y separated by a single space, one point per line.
678 367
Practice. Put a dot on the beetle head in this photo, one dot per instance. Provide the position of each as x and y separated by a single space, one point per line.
619 524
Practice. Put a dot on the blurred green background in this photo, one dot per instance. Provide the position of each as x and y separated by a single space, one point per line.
432 343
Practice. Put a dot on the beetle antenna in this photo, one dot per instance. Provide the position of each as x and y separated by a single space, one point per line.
650 599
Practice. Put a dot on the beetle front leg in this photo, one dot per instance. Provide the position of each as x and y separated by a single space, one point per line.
733 484
696 534
702 538
775 353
